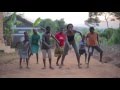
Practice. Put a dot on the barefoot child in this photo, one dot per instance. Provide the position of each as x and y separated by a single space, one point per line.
60 36
93 43
23 47
46 47
82 47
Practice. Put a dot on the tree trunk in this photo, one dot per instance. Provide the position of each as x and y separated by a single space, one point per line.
107 22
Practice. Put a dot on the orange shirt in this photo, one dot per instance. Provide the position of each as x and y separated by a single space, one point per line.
92 39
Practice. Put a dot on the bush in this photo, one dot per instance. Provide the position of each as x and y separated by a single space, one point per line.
115 38
109 36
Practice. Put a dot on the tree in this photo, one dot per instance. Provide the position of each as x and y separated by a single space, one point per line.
60 23
6 14
35 24
48 22
55 25
92 21
105 14
117 15
11 21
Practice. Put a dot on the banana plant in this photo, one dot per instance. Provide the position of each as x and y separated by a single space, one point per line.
35 24
10 23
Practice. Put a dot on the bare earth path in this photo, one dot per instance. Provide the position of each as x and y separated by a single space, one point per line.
70 70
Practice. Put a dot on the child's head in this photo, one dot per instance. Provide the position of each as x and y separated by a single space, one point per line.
26 37
91 29
48 29
83 37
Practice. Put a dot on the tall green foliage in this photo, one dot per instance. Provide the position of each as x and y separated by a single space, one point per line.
115 38
55 25
110 36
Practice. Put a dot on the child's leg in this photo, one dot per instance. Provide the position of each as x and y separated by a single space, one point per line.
20 62
79 59
44 58
50 59
89 55
80 53
58 58
27 62
37 57
30 54
77 54
85 57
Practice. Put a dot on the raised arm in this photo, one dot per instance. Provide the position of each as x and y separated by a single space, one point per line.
78 32
55 38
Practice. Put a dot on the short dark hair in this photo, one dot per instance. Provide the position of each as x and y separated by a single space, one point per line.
91 28
69 25
24 32
48 28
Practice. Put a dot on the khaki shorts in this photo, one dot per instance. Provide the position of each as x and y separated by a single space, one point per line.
44 51
58 51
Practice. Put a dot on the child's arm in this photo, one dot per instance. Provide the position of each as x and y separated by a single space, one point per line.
78 32
55 38
17 44
43 40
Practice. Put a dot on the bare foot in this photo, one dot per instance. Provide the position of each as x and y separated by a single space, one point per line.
27 67
80 63
44 68
61 66
79 67
21 67
57 64
51 68
101 61
87 65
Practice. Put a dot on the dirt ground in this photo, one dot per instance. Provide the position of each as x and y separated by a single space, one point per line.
111 54
70 70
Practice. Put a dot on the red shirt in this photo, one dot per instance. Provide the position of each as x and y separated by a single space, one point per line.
61 38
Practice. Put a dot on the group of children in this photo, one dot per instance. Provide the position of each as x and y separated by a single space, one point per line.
64 40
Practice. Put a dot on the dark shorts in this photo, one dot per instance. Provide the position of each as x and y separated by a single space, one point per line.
82 51
66 49
91 49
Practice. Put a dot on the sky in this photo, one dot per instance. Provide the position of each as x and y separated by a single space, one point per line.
76 18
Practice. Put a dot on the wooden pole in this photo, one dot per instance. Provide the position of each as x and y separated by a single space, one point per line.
1 27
